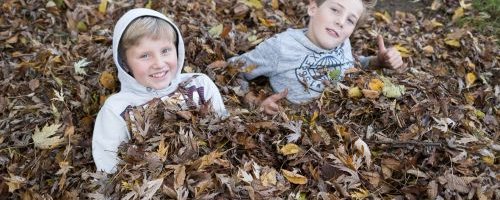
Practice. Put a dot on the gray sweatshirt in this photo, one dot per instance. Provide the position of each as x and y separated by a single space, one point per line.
110 128
290 60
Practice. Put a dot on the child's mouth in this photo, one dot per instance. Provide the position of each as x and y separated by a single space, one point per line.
332 32
159 74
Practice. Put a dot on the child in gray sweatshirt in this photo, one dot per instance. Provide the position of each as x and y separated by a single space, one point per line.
298 61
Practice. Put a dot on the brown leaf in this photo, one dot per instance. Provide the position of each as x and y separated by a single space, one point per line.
107 80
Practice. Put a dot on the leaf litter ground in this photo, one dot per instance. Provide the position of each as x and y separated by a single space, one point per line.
437 139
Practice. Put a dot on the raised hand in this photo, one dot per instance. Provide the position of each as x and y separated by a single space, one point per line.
270 104
388 57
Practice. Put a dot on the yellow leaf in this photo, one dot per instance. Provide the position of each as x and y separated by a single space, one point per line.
275 4
405 53
126 185
102 6
257 4
360 194
294 177
376 84
489 160
355 92
479 114
383 17
216 30
45 138
149 4
452 42
107 80
266 23
470 78
436 23
290 149
81 26
459 13
313 118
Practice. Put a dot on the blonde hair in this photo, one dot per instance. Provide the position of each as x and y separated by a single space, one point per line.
147 26
368 6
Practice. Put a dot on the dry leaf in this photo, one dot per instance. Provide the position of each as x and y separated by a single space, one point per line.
268 178
257 4
107 80
459 13
376 84
102 6
405 53
383 17
46 138
290 149
364 150
14 182
432 190
452 42
371 94
179 176
294 177
216 31
354 92
470 78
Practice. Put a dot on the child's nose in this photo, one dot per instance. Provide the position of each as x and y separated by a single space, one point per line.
341 21
158 63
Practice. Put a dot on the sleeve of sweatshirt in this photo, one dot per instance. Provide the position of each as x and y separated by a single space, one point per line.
110 131
364 61
265 56
212 92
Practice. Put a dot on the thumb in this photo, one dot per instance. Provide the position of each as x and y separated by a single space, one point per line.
278 96
381 45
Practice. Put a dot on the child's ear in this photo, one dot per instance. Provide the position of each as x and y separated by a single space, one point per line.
311 9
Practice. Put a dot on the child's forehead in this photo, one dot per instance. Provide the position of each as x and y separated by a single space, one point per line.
341 2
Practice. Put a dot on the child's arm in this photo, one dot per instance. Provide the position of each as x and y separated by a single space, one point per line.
386 57
270 104
260 61
109 132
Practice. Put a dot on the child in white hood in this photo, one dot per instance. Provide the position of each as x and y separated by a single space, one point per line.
148 51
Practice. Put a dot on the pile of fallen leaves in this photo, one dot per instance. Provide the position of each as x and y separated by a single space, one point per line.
430 132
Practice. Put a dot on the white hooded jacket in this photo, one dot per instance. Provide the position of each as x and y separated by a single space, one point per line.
110 128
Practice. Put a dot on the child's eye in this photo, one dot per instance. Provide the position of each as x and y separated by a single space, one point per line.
144 56
335 10
351 21
165 51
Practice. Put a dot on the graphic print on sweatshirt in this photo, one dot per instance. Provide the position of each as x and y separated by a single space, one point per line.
316 67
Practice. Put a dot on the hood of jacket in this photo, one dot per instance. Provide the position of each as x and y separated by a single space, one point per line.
129 83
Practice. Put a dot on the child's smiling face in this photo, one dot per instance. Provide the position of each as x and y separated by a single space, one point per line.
153 62
333 21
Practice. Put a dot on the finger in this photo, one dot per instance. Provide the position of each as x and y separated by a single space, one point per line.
271 109
396 62
381 45
278 96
